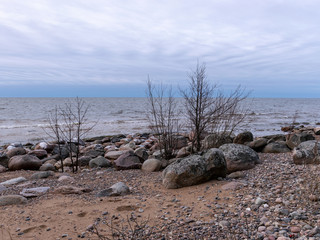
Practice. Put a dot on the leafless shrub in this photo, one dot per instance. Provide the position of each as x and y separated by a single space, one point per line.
208 109
130 229
163 116
69 124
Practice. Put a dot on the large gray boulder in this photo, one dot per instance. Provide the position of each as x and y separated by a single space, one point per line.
195 169
239 157
99 162
215 140
307 153
34 192
26 162
276 147
128 160
293 140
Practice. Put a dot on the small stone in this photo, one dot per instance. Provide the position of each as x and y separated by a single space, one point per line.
295 229
261 229
259 201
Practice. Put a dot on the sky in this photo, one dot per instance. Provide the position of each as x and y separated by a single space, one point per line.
107 48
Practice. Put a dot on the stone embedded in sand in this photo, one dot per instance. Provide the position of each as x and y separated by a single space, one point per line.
34 192
26 162
70 190
239 157
151 165
12 200
195 169
40 175
13 181
118 189
232 185
65 178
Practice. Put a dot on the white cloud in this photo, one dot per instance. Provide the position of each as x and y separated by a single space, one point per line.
106 42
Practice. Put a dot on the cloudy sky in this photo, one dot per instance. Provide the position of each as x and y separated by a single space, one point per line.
109 47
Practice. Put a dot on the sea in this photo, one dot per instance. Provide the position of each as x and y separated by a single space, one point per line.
24 120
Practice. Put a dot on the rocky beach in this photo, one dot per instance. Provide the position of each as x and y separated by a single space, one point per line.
248 188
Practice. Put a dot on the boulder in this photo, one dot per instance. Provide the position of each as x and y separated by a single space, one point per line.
4 159
215 140
151 165
142 153
26 162
64 151
239 157
99 162
40 175
307 152
293 140
13 181
12 200
16 151
243 138
195 169
93 153
128 160
276 147
34 192
84 160
316 131
118 189
39 153
258 144
113 155
47 167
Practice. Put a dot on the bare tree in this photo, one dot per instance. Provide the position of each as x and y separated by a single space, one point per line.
208 109
69 124
76 126
163 116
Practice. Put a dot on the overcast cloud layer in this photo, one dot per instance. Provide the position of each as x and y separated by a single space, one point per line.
271 47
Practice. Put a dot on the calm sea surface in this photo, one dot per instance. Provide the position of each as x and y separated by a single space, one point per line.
23 119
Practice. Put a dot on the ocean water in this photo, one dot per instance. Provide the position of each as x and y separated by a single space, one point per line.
24 119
